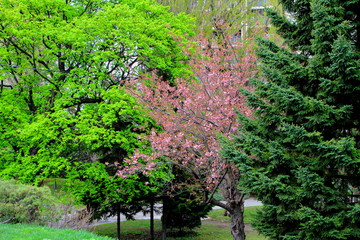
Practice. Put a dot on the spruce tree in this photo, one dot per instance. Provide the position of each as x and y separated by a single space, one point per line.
299 152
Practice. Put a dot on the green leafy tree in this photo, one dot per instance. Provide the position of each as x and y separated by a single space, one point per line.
63 64
299 152
111 196
63 112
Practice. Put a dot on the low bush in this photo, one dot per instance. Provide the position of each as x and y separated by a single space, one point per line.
20 203
67 216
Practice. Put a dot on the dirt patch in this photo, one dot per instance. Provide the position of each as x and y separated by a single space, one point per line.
216 223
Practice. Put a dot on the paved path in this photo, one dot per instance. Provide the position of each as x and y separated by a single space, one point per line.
248 203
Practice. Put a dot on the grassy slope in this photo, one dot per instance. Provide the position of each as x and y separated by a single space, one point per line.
31 232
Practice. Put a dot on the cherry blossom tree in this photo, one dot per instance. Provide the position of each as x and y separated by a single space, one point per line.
193 115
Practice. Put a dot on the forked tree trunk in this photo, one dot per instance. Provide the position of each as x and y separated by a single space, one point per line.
234 203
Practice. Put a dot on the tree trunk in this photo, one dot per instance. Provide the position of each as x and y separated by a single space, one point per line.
234 202
118 221
237 222
164 218
236 211
152 235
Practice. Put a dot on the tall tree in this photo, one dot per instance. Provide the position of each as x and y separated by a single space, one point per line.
220 18
62 63
299 153
62 110
214 18
192 115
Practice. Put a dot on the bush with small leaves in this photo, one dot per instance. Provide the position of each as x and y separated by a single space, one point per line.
20 203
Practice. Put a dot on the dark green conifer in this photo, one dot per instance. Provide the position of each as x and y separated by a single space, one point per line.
299 152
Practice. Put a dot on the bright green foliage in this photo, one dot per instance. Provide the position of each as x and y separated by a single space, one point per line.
20 203
106 195
63 111
62 63
35 232
299 153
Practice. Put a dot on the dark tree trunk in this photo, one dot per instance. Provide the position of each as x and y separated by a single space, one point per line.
118 221
152 235
164 218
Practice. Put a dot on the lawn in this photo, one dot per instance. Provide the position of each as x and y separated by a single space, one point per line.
218 214
216 227
32 232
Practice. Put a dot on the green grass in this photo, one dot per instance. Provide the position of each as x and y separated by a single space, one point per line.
32 232
215 228
139 229
218 214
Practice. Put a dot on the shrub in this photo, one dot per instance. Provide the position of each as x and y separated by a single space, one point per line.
20 203
185 213
69 216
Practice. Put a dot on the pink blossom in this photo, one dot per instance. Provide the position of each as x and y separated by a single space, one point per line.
193 114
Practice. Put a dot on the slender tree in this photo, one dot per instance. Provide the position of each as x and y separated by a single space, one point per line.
192 115
220 18
299 153
214 18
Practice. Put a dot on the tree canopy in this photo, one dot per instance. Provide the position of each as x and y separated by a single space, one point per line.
213 16
63 112
299 152
240 19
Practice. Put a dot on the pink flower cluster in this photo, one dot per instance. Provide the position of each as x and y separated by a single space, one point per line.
194 113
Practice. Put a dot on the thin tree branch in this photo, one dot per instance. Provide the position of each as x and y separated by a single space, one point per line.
217 186
6 221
